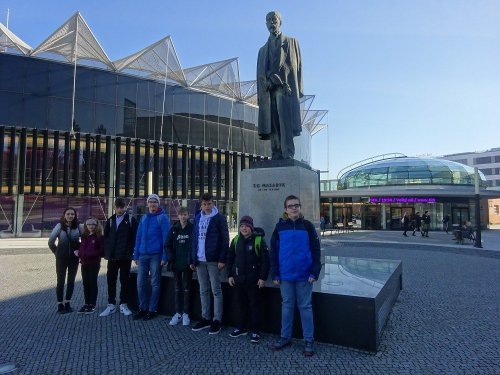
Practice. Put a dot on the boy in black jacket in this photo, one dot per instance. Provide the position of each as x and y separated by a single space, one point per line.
247 270
176 250
119 240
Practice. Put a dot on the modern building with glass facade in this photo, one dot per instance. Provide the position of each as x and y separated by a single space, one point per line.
77 129
377 192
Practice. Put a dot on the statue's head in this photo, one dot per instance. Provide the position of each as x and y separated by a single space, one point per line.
273 22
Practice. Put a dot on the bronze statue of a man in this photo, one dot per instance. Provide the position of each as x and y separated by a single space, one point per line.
279 87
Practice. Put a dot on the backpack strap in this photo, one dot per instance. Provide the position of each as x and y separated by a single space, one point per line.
256 244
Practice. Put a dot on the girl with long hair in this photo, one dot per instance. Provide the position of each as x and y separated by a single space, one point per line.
63 241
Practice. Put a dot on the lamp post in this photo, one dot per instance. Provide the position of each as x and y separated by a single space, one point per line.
478 209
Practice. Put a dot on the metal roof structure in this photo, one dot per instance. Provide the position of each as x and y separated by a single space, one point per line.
159 61
9 40
75 42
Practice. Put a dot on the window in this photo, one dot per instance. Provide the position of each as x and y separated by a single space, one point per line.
496 209
483 160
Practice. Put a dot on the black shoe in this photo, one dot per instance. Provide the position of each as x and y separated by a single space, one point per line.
61 309
238 332
202 324
309 349
140 314
413 234
150 315
67 307
405 235
281 344
90 309
254 338
83 309
214 328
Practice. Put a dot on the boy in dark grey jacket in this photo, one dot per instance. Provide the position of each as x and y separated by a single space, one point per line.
119 240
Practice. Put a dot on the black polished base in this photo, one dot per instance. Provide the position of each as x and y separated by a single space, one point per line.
351 301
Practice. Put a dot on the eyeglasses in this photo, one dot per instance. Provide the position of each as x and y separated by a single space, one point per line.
293 206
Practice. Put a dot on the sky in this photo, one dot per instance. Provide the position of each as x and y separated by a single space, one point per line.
416 77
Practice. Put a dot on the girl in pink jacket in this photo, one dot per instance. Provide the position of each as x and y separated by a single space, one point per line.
90 253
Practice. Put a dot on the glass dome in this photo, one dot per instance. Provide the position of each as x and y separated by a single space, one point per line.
409 171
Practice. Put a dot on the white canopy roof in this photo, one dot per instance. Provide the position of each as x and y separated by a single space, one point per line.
10 40
158 60
74 41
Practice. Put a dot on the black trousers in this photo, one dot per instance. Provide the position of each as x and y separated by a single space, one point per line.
89 278
122 265
182 290
66 266
249 298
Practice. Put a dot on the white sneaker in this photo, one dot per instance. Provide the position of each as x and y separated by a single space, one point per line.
111 309
175 319
125 310
185 319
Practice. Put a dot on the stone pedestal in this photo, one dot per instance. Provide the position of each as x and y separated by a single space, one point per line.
264 187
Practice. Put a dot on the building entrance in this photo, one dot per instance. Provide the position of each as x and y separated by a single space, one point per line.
459 215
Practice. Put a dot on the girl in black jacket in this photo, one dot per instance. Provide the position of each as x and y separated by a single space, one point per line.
63 241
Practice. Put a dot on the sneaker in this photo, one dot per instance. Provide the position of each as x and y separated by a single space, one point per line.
214 328
140 314
125 310
175 319
238 332
185 320
60 308
255 338
67 307
110 309
202 324
90 309
83 309
281 344
150 315
309 349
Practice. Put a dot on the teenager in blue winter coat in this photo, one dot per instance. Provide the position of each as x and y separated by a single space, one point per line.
151 236
295 259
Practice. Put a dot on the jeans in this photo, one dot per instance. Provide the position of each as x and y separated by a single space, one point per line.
89 278
208 272
182 290
149 265
122 265
300 293
63 265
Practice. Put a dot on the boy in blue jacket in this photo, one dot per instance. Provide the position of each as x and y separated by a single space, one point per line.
148 251
295 259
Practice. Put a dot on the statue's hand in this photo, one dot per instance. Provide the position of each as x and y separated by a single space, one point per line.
276 80
288 90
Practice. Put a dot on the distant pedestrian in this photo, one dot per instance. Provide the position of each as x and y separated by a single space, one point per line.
417 223
148 252
63 241
247 271
446 222
426 220
90 253
177 250
405 221
119 239
208 258
295 265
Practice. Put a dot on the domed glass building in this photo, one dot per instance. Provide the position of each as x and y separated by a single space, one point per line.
375 193
409 171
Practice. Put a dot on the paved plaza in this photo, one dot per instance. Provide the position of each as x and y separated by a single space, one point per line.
445 321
